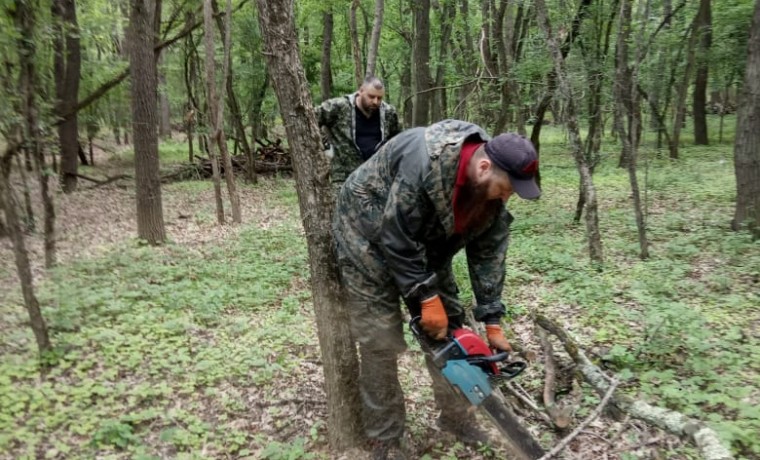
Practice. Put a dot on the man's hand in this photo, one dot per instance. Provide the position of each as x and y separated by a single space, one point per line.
496 339
434 320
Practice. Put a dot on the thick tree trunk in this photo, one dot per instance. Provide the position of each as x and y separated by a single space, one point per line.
703 26
747 143
421 59
325 72
374 42
316 205
150 216
592 209
67 64
213 108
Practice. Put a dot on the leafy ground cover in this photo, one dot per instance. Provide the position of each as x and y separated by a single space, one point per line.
206 348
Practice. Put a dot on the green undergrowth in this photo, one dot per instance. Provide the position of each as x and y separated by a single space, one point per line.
159 353
173 352
680 327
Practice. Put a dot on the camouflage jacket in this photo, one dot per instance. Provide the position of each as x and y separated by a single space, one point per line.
395 215
338 116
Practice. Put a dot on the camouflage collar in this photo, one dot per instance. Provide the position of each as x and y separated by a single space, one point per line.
444 142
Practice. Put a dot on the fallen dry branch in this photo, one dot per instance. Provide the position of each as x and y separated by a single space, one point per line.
560 416
102 182
560 446
699 433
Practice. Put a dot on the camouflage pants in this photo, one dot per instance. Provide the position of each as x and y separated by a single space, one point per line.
377 325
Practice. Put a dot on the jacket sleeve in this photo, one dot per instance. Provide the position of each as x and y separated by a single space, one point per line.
326 113
485 261
403 219
394 125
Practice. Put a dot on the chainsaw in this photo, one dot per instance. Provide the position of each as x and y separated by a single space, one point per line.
474 370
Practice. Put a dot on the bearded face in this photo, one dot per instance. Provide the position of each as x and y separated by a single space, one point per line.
370 98
476 205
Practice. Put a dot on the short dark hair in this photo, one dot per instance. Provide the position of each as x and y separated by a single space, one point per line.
373 81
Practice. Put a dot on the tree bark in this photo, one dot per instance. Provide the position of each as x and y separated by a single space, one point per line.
747 143
325 72
374 42
421 60
221 138
212 103
551 84
703 26
355 48
28 87
447 15
681 93
150 217
592 209
164 120
237 116
23 267
627 108
67 64
276 19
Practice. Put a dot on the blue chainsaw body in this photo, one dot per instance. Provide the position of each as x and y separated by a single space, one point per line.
467 362
469 379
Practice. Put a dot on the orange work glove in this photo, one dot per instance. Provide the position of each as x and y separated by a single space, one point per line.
496 339
434 320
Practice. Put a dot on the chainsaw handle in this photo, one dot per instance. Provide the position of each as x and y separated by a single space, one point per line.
512 370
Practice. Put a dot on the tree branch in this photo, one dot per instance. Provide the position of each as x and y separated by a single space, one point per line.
562 444
705 438
115 81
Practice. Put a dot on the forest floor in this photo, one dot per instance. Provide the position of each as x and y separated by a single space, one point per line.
206 347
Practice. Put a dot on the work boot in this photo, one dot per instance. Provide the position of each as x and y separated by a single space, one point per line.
465 429
387 450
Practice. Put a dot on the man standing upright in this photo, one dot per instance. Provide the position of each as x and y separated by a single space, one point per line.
357 125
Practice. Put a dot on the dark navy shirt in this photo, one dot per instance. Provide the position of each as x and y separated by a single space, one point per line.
368 134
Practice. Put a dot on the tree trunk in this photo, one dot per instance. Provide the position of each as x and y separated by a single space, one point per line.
237 116
316 205
23 267
462 60
703 26
626 107
212 103
421 59
747 143
164 120
374 42
25 22
150 217
551 83
681 93
592 213
221 138
325 72
355 48
67 63
447 15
